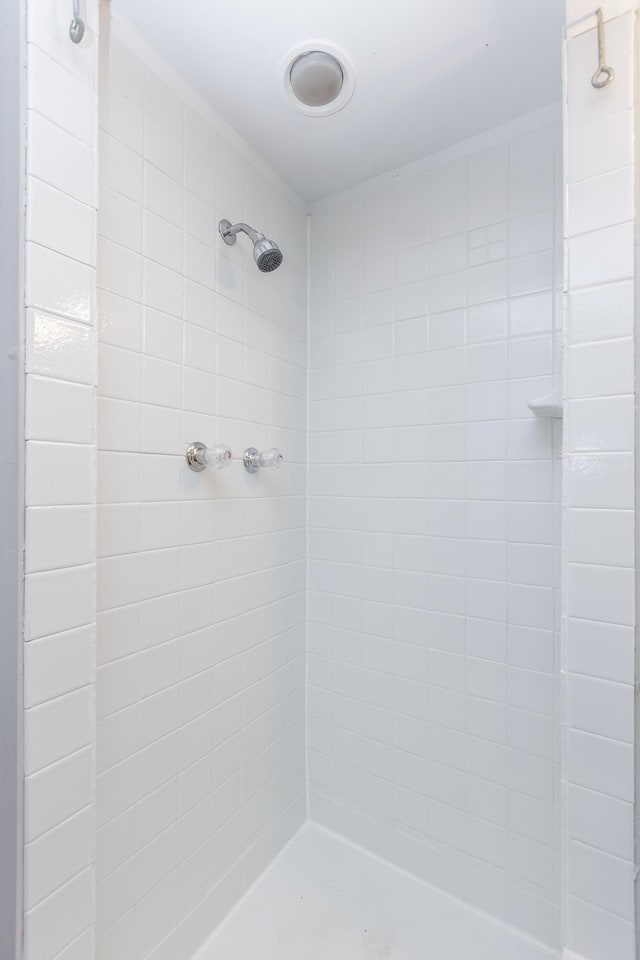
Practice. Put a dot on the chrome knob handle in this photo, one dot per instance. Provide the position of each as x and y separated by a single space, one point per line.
270 459
199 457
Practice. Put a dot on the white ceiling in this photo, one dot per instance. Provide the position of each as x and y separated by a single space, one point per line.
428 74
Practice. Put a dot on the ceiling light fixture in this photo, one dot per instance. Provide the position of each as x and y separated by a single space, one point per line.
318 79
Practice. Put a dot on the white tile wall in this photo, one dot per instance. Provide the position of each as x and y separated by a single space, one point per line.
433 538
433 716
599 490
201 577
60 542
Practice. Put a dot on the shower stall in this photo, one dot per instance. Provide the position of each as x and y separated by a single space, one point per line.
329 558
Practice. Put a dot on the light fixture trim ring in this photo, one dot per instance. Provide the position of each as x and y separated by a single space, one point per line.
348 73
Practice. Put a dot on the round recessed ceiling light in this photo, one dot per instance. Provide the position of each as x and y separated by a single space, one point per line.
318 79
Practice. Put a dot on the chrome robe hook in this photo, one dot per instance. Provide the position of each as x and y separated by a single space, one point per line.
76 27
603 74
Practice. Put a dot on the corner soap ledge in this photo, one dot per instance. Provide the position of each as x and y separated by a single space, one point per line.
548 406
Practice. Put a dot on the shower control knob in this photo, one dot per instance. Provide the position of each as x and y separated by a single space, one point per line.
200 457
270 459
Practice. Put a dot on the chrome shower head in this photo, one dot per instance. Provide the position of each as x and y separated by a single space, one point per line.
266 253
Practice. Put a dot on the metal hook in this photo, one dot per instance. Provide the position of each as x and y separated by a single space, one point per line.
603 74
76 27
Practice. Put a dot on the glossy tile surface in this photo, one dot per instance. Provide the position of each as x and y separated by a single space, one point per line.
201 577
599 491
434 498
60 465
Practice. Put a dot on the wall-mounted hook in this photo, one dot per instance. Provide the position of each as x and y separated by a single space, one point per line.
76 27
603 74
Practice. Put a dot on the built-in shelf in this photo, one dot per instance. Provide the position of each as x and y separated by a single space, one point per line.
548 406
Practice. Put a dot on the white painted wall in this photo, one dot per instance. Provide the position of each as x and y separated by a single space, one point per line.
599 566
201 577
12 151
433 711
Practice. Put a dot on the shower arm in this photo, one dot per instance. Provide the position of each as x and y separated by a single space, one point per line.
229 233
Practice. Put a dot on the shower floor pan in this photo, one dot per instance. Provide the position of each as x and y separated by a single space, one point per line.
324 899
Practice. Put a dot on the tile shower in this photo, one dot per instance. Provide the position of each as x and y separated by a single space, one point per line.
201 576
419 633
433 521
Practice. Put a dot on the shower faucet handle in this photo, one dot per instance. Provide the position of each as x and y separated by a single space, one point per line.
199 457
270 459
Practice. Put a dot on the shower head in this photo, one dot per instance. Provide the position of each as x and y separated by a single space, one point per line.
266 253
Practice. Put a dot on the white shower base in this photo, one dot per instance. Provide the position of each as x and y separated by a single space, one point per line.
324 899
